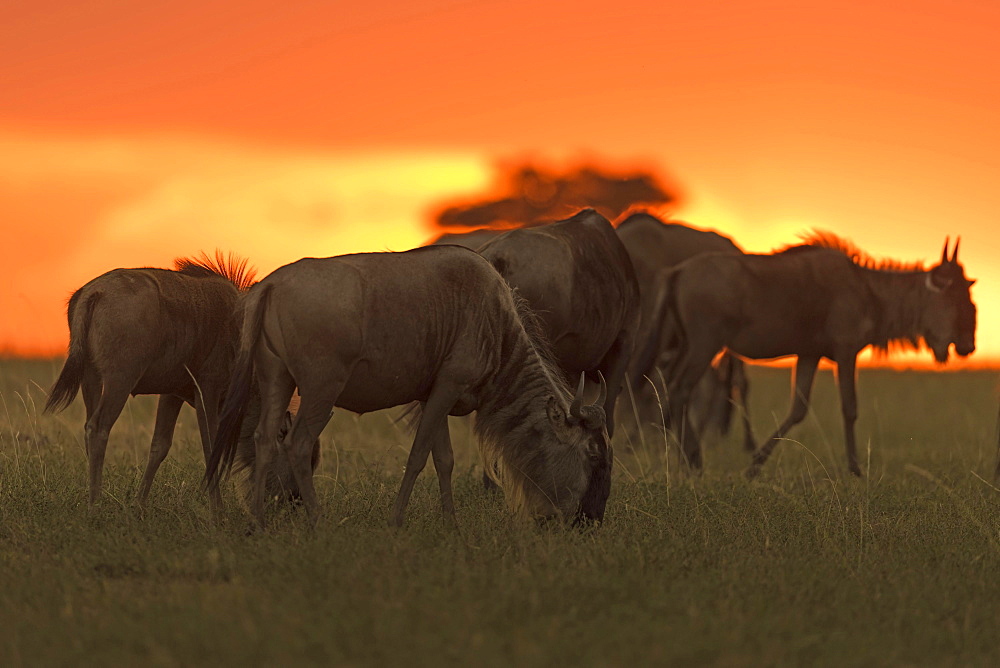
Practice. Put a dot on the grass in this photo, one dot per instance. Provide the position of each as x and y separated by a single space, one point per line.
806 565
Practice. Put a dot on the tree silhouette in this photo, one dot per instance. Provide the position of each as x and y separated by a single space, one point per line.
529 195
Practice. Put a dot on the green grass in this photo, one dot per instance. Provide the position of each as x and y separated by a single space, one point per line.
805 566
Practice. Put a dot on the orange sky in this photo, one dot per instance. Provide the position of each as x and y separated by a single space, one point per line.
131 133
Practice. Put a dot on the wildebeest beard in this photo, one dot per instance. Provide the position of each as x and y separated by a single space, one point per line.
595 498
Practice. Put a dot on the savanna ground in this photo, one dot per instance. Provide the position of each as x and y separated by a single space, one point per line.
804 566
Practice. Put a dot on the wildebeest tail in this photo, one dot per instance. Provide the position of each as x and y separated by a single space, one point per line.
68 384
240 386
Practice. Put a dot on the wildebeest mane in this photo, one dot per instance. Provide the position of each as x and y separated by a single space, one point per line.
817 238
897 326
527 371
231 267
533 328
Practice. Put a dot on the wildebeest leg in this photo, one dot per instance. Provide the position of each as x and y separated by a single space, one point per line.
314 413
444 463
689 372
109 407
711 399
207 409
651 402
90 387
849 407
163 434
433 419
276 387
613 366
805 371
741 388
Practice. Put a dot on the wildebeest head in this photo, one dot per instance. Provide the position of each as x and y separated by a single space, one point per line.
279 481
584 472
950 315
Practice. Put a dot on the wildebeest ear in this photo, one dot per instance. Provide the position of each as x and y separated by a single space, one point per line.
970 282
556 413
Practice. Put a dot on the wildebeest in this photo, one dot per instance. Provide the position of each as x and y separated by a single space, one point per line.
436 325
577 277
824 298
152 331
655 247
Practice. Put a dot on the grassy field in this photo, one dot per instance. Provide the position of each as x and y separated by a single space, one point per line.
804 566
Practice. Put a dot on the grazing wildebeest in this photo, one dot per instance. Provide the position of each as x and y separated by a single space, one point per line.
577 277
152 331
655 247
436 325
822 299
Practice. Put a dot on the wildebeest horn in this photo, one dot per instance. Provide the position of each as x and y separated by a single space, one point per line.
954 251
944 252
604 391
575 409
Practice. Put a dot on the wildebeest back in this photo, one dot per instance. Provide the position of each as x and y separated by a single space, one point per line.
395 327
577 276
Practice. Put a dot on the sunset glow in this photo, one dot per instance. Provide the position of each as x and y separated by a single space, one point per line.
133 134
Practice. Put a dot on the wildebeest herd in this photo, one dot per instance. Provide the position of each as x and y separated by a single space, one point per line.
510 327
